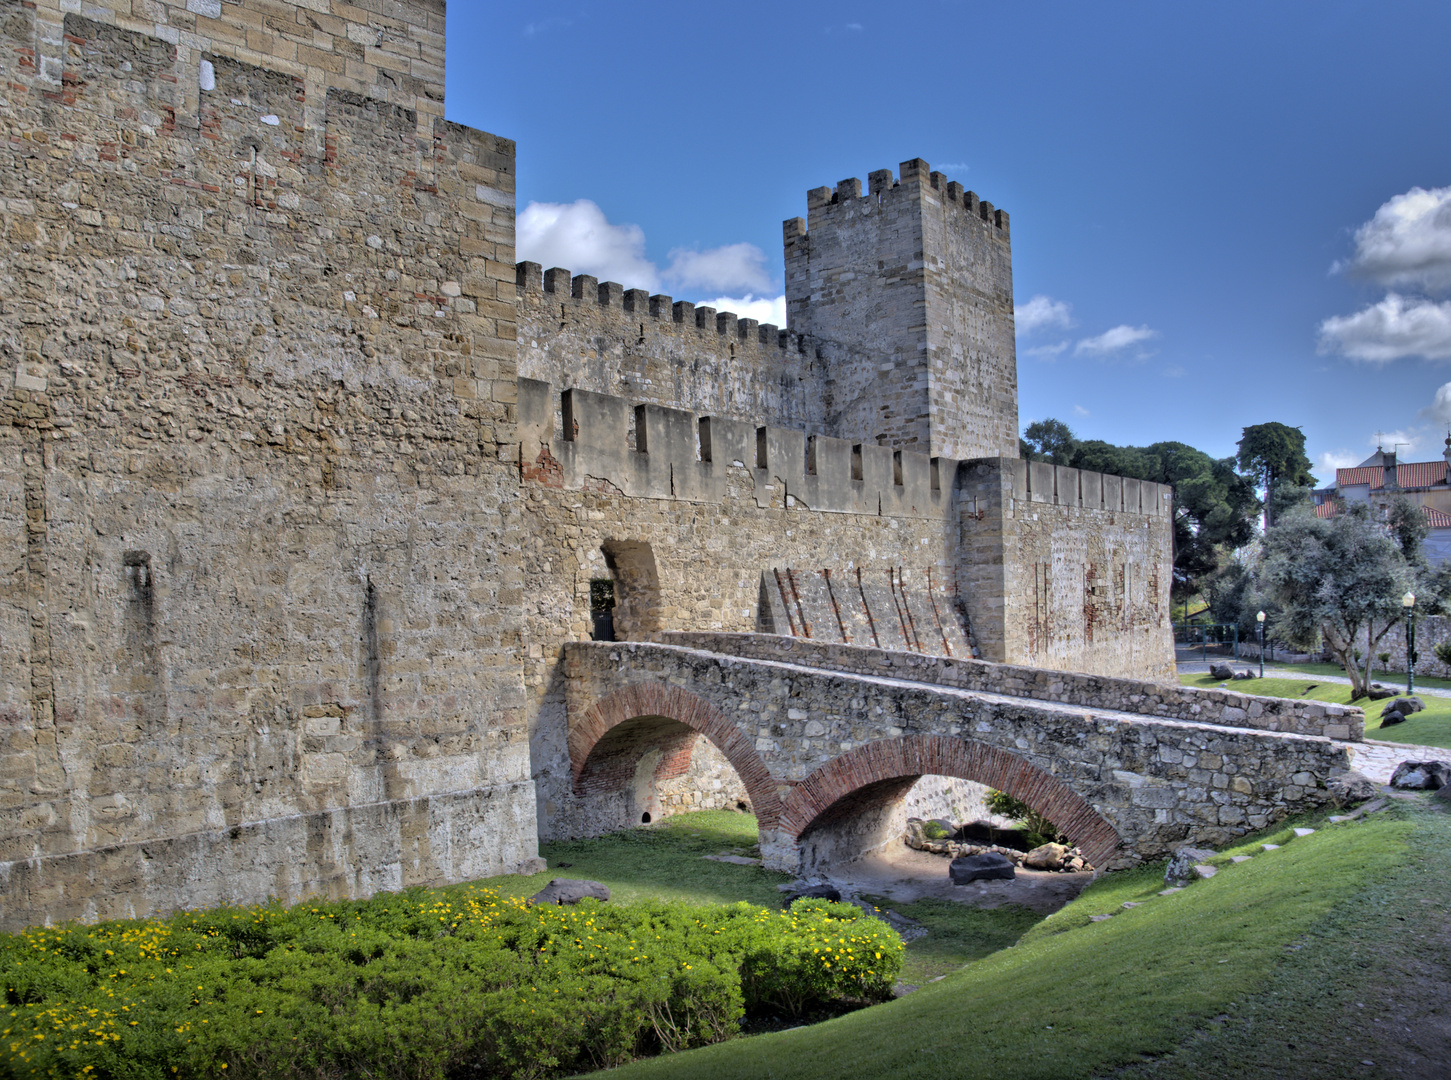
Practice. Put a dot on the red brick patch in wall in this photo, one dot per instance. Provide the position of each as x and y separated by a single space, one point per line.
652 699
921 755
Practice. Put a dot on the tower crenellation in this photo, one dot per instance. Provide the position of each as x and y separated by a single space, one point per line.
907 294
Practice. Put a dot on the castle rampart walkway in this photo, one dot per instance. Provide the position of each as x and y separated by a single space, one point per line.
818 749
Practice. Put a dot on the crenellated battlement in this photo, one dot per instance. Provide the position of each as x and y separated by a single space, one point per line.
578 439
916 175
560 286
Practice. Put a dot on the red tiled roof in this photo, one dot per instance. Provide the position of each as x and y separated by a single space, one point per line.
1436 519
1413 474
1325 510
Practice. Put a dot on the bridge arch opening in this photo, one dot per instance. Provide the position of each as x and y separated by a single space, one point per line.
649 768
645 752
857 804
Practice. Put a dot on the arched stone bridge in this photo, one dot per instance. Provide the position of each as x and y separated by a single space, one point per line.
827 739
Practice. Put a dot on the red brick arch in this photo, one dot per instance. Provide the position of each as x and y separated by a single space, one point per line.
652 699
942 755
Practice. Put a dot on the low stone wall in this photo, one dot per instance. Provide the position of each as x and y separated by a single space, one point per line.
1221 707
342 853
1430 631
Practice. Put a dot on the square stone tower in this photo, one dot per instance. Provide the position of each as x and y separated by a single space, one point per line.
907 292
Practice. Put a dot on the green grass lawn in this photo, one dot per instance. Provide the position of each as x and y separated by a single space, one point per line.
1431 727
1289 939
1385 678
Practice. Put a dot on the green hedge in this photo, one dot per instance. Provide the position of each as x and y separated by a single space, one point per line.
428 983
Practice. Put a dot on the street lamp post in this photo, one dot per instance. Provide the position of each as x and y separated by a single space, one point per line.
1409 603
1260 618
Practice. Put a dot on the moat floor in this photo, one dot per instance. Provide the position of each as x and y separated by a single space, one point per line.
905 875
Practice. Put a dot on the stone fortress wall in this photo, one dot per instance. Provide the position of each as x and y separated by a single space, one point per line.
290 550
260 603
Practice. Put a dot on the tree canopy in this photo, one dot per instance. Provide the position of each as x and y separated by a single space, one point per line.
1048 440
1274 453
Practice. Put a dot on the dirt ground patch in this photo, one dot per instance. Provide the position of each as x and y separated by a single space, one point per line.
905 875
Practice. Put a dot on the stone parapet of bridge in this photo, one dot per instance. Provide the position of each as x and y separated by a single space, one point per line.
1222 707
828 754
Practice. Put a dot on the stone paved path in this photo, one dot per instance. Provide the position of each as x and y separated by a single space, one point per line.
1378 760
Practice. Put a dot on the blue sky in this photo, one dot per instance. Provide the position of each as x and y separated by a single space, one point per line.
1217 202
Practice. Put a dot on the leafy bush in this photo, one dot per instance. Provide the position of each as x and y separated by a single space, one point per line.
426 983
1039 829
933 831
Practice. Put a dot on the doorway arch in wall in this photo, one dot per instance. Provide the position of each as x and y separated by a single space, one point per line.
638 609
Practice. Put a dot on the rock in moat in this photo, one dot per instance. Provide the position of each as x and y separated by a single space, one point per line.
1182 863
570 891
1351 787
813 892
989 866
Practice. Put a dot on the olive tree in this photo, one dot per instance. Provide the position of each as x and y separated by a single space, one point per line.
1338 580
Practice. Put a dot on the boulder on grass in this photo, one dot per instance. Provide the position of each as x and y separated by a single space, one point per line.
570 891
1351 787
1244 674
1404 706
1182 863
1390 716
1221 671
1422 775
1377 693
989 866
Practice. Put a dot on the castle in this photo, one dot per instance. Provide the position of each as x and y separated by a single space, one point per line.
304 483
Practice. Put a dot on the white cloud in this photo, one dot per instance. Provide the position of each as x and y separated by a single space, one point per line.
578 237
1393 328
763 309
1046 352
1328 462
1079 410
1042 311
1116 340
737 268
1440 408
1407 243
1174 371
1404 441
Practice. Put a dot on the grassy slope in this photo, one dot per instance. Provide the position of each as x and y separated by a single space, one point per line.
1432 727
1077 998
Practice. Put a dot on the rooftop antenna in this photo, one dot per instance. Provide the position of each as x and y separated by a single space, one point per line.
1380 438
